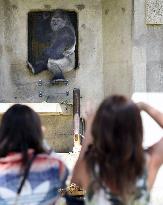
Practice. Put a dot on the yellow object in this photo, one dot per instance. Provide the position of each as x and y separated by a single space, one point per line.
72 190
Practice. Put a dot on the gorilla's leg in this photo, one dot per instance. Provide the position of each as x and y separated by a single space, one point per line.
56 70
58 75
40 66
37 67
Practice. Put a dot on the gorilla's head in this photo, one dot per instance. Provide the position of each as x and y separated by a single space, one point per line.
59 20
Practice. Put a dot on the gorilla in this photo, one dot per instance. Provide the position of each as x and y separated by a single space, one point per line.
59 57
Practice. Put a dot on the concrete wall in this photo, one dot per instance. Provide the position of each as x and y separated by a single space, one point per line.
18 83
132 50
4 56
147 51
117 46
148 65
139 47
58 132
118 52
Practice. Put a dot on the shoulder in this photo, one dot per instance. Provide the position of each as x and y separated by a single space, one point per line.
67 32
50 161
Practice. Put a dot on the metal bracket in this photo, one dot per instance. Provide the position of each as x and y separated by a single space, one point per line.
41 94
59 81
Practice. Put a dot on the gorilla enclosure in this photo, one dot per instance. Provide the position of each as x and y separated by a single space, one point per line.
101 60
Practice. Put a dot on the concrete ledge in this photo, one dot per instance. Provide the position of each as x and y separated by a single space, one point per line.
41 108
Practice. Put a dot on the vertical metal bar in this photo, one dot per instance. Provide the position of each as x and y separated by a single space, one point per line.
76 119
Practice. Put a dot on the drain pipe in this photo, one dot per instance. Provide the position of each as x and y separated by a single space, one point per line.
76 119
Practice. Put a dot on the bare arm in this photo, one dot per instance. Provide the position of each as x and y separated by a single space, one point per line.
155 161
87 138
80 174
88 115
155 152
153 112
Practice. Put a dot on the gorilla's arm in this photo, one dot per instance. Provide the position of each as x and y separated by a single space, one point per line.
64 40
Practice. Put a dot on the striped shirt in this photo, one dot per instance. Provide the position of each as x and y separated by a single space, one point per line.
47 174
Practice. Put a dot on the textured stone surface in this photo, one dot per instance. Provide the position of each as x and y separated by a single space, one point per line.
117 46
59 132
154 11
139 47
18 83
147 53
155 76
154 50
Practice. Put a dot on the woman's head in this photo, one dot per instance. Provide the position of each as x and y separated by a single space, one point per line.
117 142
20 130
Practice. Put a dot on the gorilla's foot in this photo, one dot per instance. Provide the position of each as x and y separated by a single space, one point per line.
37 68
30 67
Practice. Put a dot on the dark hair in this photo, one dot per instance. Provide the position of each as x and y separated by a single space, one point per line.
60 13
20 130
117 144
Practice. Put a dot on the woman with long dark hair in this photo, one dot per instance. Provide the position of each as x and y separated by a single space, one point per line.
29 174
112 165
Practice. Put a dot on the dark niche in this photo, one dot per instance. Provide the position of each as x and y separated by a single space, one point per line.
52 42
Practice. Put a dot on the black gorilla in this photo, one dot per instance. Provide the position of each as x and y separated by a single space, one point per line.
59 57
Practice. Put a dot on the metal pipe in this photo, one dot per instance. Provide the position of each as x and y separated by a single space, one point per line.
76 119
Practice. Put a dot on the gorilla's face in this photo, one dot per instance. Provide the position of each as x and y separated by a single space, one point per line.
57 23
